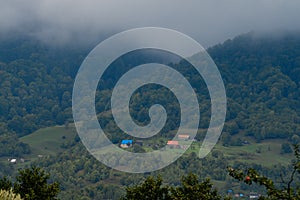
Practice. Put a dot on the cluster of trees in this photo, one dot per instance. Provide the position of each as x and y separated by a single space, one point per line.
191 188
11 146
286 189
30 184
81 176
263 89
262 83
35 90
31 97
260 77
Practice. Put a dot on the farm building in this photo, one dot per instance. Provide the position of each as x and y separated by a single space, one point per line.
126 143
183 136
173 143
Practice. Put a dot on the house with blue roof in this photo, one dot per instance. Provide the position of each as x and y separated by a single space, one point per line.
126 143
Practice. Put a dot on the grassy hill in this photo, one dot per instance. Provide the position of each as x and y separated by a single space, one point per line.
50 140
266 153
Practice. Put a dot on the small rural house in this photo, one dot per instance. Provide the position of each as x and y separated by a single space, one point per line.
126 143
254 196
173 143
183 136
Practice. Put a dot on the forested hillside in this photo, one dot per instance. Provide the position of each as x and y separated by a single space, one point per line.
261 76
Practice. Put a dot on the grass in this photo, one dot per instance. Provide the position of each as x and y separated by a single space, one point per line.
49 141
266 153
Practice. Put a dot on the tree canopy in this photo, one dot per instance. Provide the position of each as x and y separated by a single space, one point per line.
190 189
32 184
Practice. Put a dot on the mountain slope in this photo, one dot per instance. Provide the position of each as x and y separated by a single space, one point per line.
262 81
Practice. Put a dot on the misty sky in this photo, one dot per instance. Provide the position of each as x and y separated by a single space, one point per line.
208 21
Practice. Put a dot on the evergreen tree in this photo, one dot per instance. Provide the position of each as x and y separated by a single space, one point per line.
32 184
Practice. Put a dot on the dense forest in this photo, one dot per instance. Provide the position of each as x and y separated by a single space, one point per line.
261 76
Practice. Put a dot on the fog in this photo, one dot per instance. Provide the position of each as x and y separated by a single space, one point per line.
208 21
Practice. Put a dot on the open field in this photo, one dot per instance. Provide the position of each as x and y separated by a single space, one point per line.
266 153
49 141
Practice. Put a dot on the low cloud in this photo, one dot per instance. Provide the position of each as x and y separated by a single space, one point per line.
208 21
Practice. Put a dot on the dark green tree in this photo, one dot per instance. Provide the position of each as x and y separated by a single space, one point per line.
150 189
5 184
286 148
32 184
193 189
190 189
